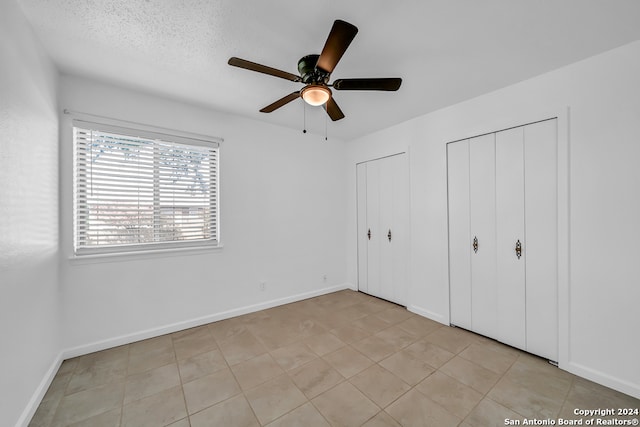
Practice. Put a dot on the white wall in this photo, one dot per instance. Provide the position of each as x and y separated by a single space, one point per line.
29 211
599 290
283 204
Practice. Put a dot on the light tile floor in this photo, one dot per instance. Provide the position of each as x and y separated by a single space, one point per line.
342 359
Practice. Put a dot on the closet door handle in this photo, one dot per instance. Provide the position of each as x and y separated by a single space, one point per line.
369 234
389 235
475 244
518 249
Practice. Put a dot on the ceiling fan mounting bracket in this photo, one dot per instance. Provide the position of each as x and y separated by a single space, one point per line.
310 74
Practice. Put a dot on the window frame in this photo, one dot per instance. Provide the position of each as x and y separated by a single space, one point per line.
158 136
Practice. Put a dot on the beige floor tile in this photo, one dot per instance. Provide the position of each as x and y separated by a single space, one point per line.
153 358
382 419
201 365
379 305
491 414
539 376
500 347
102 357
227 329
365 307
196 331
106 419
234 412
286 355
350 334
163 342
253 372
324 343
415 409
585 394
348 361
487 357
181 423
371 324
88 403
419 326
432 354
275 398
292 356
379 385
241 347
449 393
307 327
209 390
304 416
151 382
50 401
59 384
408 368
524 400
101 371
159 409
397 336
394 314
468 373
67 366
345 405
375 348
315 377
451 339
196 341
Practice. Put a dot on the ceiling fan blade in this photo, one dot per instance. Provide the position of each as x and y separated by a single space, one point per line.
248 65
280 102
333 110
340 37
389 84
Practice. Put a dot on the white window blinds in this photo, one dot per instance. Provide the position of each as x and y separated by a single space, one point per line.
137 190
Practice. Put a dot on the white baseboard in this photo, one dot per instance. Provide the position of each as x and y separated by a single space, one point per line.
428 314
618 384
179 326
38 395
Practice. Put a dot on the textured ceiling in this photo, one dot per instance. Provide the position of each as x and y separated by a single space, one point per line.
446 51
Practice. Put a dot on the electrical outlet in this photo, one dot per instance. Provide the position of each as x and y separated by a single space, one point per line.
262 286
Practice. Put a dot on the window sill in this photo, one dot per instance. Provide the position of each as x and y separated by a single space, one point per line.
144 254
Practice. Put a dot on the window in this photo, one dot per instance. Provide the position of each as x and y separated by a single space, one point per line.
140 190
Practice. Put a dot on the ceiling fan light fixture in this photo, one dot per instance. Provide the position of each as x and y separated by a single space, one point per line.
316 95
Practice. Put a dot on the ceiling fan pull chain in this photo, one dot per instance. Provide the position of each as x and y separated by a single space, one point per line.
325 127
304 115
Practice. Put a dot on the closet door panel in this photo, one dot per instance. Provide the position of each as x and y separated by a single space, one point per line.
483 228
541 229
361 189
509 232
386 208
373 225
400 228
459 234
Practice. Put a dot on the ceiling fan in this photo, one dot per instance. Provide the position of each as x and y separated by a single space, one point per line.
315 71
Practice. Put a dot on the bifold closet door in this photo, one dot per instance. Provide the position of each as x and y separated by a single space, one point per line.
396 206
510 237
374 231
482 202
383 218
459 232
540 152
361 190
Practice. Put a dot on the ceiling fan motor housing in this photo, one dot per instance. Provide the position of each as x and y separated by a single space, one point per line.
308 71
